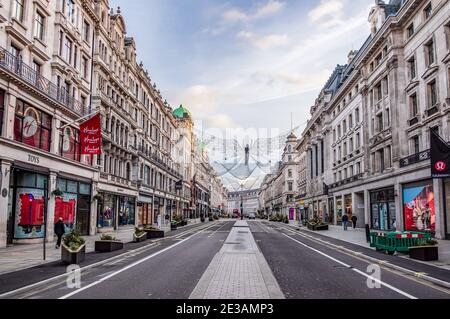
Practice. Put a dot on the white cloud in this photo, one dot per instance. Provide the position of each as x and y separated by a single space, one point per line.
270 8
328 13
199 99
238 15
264 42
220 121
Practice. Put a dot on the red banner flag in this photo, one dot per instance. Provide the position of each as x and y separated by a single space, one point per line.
91 136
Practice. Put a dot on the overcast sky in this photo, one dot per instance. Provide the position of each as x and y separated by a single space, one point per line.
245 63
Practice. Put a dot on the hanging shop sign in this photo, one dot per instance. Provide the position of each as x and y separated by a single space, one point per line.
91 136
440 157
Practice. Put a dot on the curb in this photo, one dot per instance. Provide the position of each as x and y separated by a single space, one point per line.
380 262
130 253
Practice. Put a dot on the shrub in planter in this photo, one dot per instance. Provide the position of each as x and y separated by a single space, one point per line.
108 244
139 235
73 248
173 225
428 252
153 232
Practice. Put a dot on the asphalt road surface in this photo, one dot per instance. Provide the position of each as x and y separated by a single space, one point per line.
304 269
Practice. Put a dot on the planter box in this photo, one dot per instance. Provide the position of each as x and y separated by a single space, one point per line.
140 239
73 257
323 227
173 227
103 246
424 253
153 234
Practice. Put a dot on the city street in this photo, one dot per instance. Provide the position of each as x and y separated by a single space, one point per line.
236 259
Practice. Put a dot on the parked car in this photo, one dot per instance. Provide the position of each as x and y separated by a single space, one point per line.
251 216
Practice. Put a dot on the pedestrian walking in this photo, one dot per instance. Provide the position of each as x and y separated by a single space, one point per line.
60 230
345 221
354 221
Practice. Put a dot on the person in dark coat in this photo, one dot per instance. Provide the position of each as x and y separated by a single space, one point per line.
60 230
354 221
345 221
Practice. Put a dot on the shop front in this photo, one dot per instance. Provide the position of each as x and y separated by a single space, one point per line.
348 206
383 211
27 204
157 208
419 206
115 211
145 210
330 215
73 204
339 210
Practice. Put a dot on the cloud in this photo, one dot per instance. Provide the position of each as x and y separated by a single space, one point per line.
264 42
328 13
199 99
270 8
238 15
220 121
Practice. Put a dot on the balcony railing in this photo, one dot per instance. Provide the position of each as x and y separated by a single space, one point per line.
416 158
26 73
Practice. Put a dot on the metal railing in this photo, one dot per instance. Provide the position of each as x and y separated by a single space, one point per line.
26 73
416 158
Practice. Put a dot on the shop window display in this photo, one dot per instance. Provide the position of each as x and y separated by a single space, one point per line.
106 211
418 206
127 211
383 213
32 127
29 205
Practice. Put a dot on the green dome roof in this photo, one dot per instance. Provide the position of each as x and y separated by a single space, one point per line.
181 113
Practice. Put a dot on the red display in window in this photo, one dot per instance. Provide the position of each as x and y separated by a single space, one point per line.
31 210
65 210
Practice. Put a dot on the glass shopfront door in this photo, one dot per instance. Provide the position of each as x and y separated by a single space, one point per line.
383 213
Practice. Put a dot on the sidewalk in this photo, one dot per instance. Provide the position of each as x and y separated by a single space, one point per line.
238 271
358 237
20 257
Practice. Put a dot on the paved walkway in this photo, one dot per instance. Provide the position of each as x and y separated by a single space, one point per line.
238 271
24 256
358 237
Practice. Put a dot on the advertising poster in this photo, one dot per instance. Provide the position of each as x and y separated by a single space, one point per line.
419 210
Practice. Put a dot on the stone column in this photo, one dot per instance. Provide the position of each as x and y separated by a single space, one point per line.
5 175
439 203
51 206
94 207
367 209
398 191
55 136
10 110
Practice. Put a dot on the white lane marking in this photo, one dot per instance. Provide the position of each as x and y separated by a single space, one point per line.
126 268
99 263
356 270
213 233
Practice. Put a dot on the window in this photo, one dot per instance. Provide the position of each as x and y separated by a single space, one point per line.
69 144
379 92
380 122
2 109
358 168
357 116
86 31
378 59
351 145
68 45
32 127
414 105
412 68
15 52
430 54
19 9
350 121
447 35
415 146
70 10
410 31
382 159
290 173
428 11
432 94
37 67
344 126
290 186
339 131
84 67
39 26
358 140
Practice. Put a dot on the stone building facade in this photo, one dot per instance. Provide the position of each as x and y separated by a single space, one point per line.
60 62
377 119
